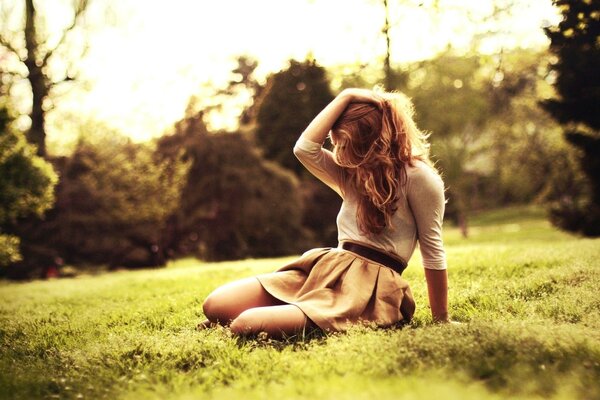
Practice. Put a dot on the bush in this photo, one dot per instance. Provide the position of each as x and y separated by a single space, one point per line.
291 99
234 203
112 204
26 186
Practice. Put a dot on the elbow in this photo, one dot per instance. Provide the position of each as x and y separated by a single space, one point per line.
299 153
306 151
434 256
435 265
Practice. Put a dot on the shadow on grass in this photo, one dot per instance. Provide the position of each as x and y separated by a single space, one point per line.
312 336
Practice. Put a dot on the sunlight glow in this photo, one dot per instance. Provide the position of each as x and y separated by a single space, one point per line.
144 69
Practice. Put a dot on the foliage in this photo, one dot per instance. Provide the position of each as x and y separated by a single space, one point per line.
289 102
291 99
485 122
26 185
111 204
575 43
9 250
459 82
243 80
234 203
525 292
455 122
32 45
451 97
236 100
522 136
320 207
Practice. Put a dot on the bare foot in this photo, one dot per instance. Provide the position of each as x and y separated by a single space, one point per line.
206 324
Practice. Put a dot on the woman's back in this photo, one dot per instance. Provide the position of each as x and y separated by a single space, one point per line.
418 217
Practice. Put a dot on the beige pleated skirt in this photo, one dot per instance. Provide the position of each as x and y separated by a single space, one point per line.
337 288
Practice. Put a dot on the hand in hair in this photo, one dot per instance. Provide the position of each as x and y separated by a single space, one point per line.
363 96
319 127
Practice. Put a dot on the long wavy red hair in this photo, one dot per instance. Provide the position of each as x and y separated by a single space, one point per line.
374 145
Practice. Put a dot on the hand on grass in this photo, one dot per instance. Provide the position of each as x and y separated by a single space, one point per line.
448 322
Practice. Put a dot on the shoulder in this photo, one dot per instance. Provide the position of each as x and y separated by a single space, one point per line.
421 176
421 171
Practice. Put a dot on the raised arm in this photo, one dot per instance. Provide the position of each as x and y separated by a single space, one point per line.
320 126
308 149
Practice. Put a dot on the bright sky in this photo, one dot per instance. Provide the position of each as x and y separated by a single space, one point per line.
144 68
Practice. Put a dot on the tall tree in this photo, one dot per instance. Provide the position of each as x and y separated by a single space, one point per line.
233 101
33 46
387 64
291 99
576 43
244 80
393 79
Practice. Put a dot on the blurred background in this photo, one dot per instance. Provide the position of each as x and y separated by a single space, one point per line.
132 133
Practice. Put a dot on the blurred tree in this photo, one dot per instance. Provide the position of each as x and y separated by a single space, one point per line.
26 185
486 123
357 75
451 101
235 100
522 136
42 54
387 64
244 80
112 202
234 204
576 43
393 78
290 100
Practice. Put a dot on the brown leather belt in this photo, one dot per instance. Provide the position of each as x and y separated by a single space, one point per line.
374 255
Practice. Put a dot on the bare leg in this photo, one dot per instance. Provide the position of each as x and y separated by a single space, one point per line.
228 301
277 321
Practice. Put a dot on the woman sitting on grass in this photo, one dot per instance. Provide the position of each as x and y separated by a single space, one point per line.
392 197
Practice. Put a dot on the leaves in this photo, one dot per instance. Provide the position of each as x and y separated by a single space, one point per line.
26 185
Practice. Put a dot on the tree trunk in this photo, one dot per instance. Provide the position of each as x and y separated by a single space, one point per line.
462 224
39 86
389 81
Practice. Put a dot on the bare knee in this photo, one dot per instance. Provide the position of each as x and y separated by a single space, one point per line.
229 301
275 321
210 307
246 324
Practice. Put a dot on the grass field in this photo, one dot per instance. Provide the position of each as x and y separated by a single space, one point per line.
527 294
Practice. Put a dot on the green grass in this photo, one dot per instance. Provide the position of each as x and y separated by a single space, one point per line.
526 293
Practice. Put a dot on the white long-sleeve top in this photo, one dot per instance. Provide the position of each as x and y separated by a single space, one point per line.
419 216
